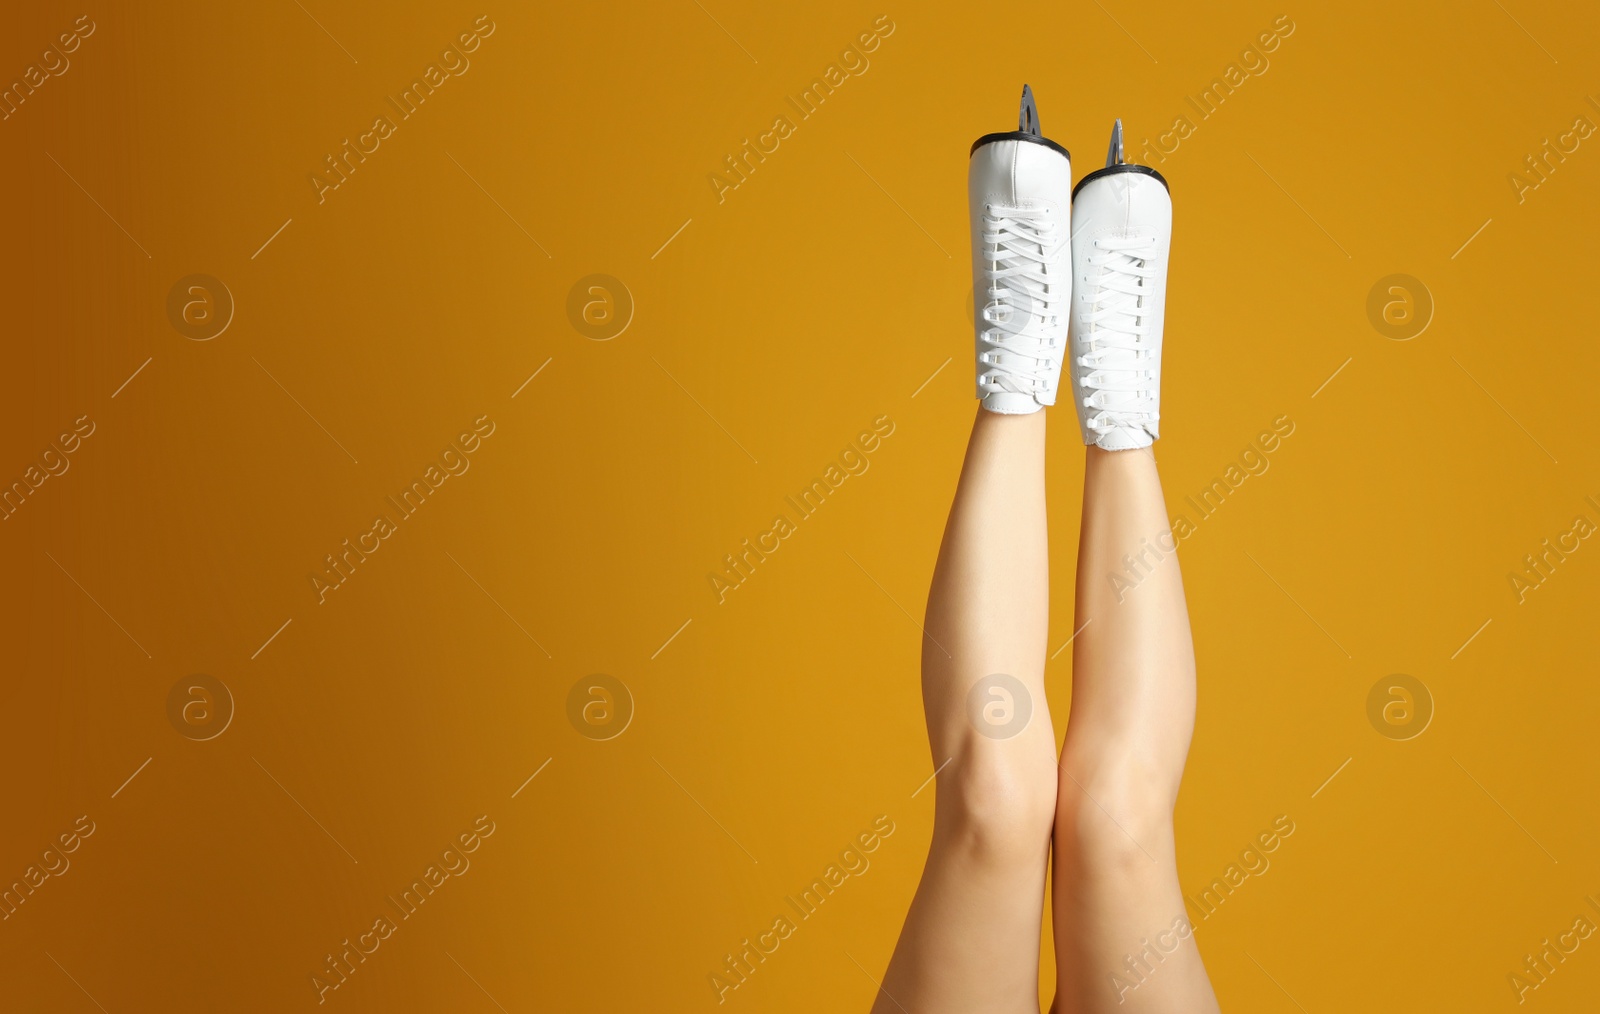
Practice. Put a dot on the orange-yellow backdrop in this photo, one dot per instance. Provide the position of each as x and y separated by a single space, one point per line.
373 723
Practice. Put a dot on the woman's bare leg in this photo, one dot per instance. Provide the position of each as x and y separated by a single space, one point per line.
971 939
1123 941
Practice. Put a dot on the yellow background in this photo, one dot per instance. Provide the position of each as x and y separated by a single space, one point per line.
773 327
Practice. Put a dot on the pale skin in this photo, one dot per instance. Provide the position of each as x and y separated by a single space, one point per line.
1004 802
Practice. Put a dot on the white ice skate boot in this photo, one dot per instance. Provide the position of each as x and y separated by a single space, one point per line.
1121 234
1019 195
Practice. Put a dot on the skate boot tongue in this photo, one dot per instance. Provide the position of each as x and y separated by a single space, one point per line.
1010 403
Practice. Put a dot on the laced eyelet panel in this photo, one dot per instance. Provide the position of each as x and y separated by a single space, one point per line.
1118 354
1024 297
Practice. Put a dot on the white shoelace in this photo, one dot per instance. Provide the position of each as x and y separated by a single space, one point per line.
1023 298
1119 354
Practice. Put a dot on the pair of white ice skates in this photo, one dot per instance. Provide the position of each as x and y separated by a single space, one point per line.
1058 271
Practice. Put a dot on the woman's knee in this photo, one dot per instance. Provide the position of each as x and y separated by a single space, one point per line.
1115 819
998 805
